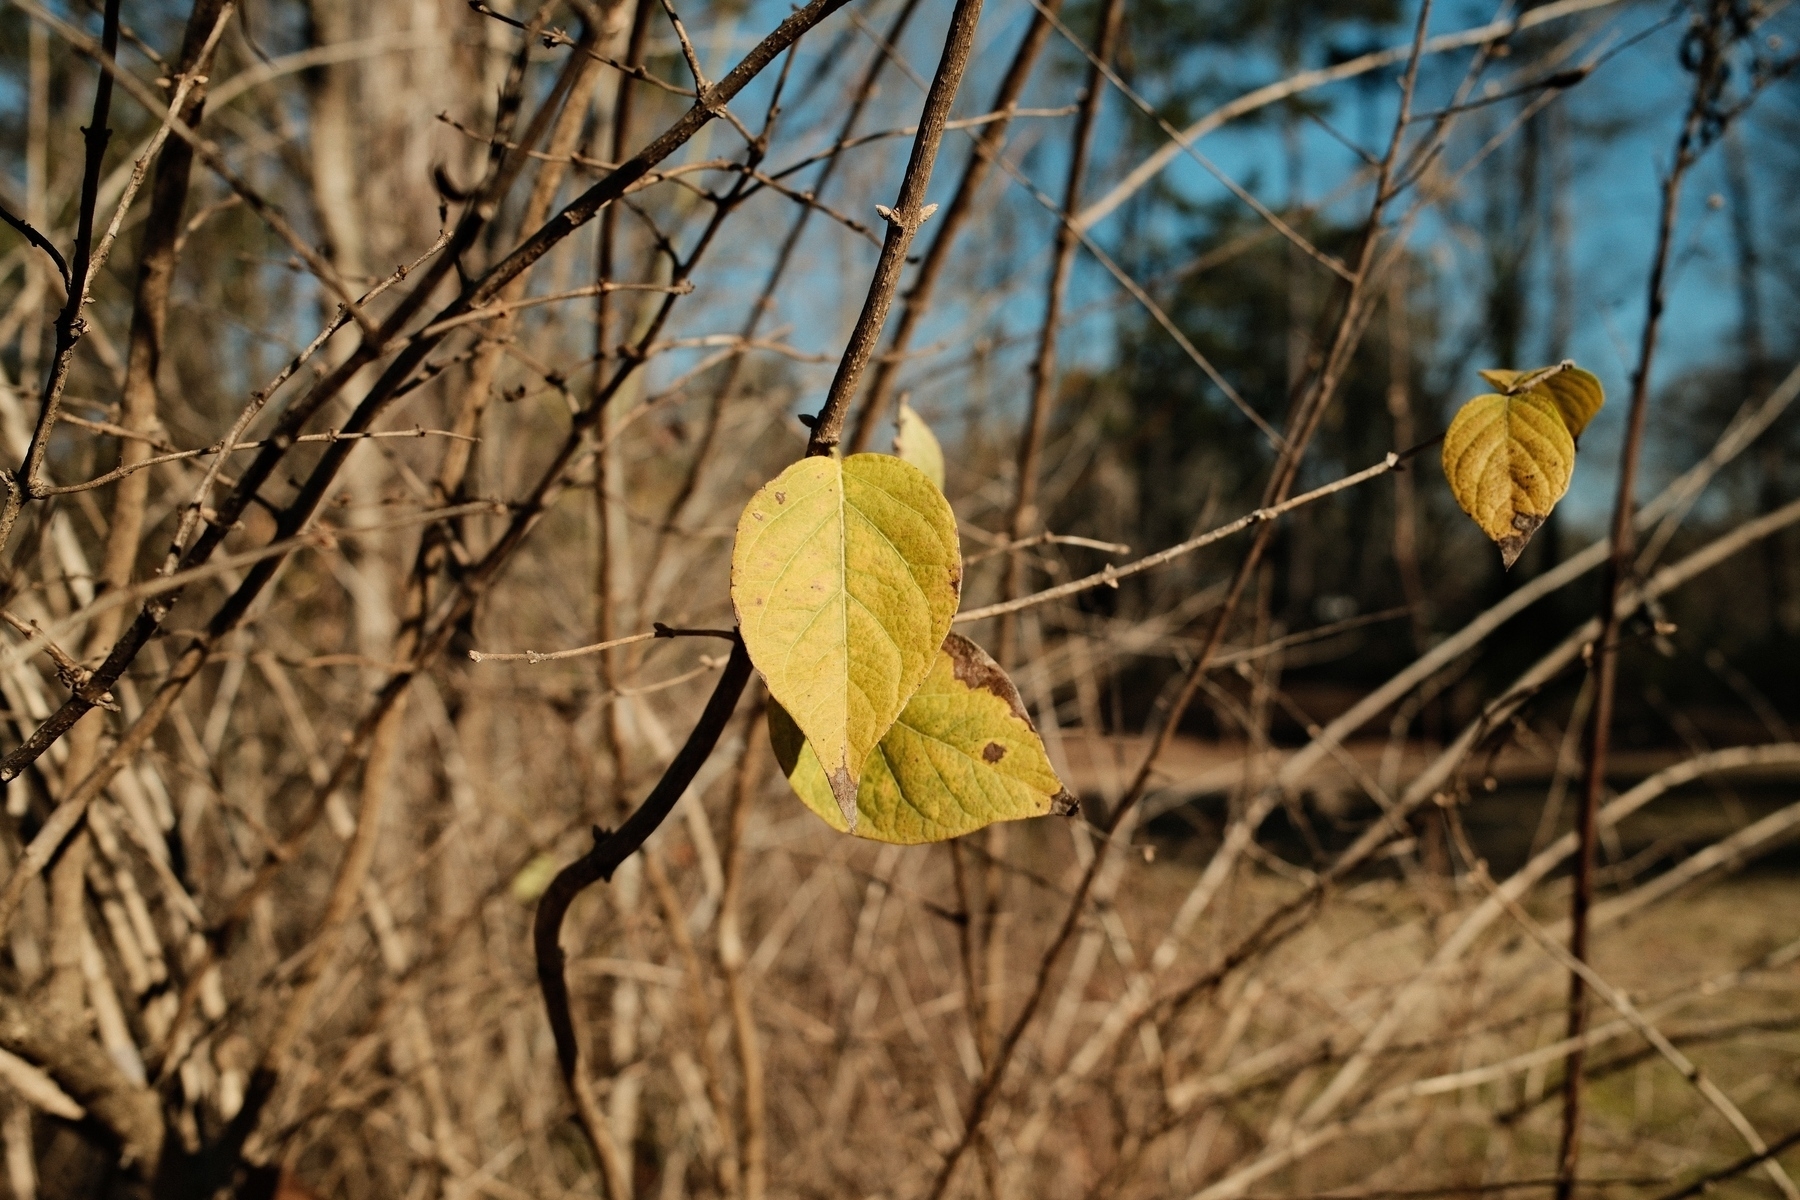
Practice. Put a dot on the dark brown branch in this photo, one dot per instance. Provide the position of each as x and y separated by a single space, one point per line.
903 219
611 849
40 241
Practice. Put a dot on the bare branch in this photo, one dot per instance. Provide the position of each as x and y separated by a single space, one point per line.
908 213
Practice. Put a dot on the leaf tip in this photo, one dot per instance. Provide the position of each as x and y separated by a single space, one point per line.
844 789
1513 544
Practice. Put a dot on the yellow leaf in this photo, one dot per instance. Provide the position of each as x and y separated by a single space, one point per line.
533 879
914 442
844 578
1508 460
1576 393
1578 397
962 755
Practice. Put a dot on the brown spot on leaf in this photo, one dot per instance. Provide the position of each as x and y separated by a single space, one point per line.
781 497
1514 544
975 669
755 515
993 752
843 788
1064 805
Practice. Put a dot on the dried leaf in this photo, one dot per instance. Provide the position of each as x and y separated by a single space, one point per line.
962 755
844 578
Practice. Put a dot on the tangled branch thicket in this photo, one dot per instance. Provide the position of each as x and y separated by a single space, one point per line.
379 388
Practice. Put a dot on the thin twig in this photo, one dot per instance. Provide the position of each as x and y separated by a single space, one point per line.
540 656
1309 411
488 312
1706 1183
908 213
1329 262
1712 44
1621 1003
1110 576
41 242
1493 32
556 37
183 455
917 301
1024 516
22 484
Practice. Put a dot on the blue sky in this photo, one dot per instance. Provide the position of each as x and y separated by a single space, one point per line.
1638 95
1639 92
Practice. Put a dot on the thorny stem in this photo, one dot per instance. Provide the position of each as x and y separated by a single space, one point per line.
1688 146
903 221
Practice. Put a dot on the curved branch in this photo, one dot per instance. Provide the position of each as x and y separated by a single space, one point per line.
599 863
